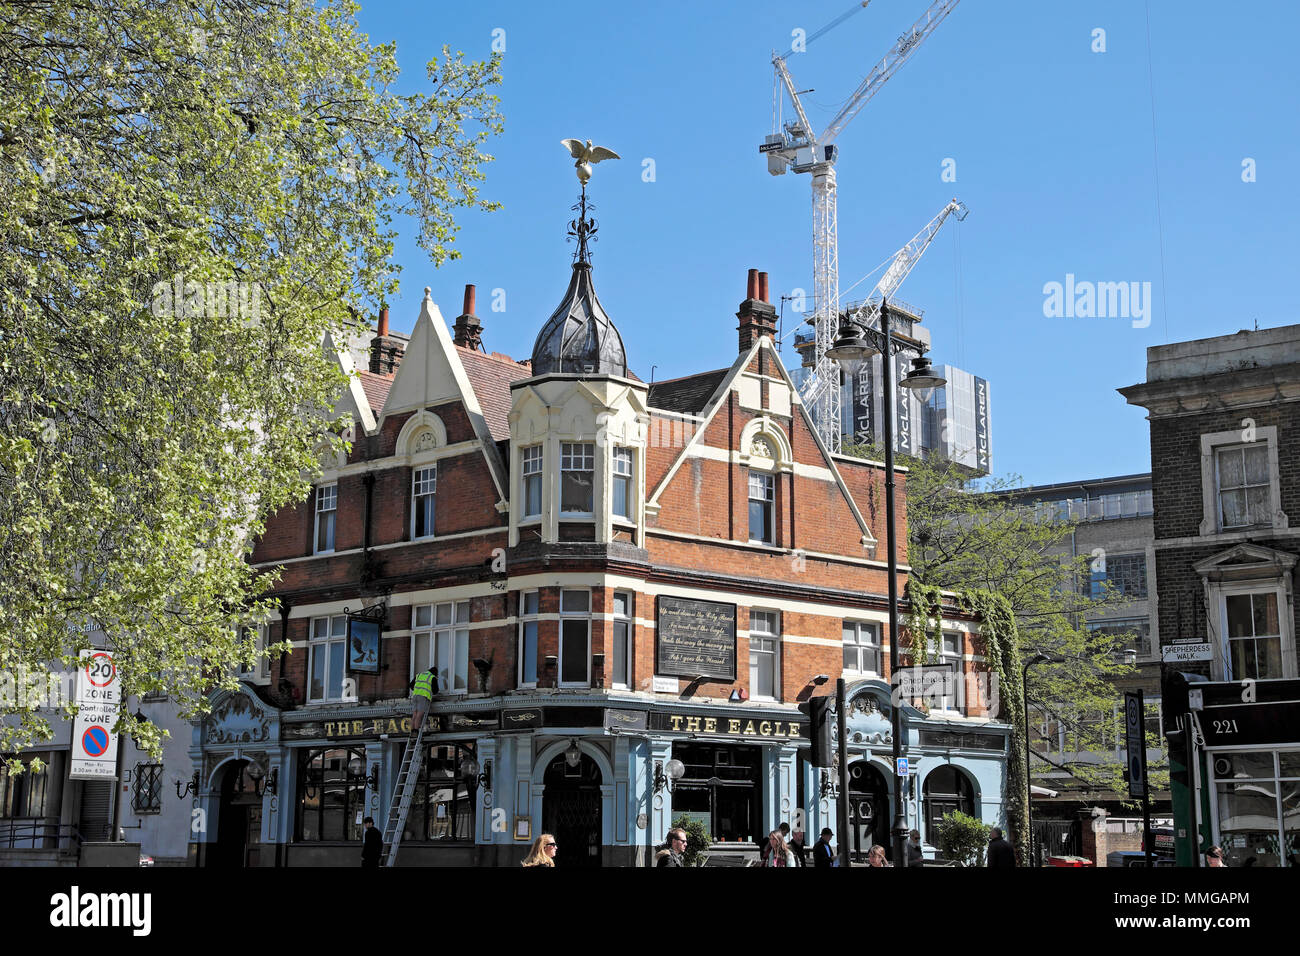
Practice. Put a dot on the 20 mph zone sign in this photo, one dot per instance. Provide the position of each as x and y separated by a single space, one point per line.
94 751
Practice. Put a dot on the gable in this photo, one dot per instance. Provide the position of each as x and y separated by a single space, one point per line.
758 370
431 373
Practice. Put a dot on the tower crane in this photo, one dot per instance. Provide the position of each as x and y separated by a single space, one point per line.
819 386
796 147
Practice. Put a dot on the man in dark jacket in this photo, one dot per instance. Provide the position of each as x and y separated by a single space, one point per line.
372 846
823 855
1001 852
671 854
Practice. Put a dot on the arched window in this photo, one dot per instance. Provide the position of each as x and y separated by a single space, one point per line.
331 794
946 789
443 805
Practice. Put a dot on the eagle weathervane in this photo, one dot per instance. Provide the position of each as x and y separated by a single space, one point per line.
585 156
582 228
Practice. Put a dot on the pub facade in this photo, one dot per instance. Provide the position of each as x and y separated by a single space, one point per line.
626 591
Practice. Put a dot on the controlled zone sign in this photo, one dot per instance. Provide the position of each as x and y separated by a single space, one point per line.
94 755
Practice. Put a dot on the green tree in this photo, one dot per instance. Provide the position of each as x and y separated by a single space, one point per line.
193 194
974 538
962 838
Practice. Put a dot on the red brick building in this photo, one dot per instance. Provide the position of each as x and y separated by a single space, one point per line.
606 575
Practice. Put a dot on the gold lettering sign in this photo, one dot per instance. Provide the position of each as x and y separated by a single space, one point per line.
726 726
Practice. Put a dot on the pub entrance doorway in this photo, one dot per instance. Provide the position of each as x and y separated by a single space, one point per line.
239 819
571 811
868 811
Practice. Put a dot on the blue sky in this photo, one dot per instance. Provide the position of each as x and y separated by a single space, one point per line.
1053 151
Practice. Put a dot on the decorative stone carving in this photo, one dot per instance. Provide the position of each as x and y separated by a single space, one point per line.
236 720
425 441
760 448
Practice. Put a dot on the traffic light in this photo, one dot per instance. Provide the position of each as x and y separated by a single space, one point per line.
824 729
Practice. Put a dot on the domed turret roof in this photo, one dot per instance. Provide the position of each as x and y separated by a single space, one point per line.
579 336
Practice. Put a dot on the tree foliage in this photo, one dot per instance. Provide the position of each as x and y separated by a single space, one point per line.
194 193
962 838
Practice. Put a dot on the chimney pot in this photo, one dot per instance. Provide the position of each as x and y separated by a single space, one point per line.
751 288
469 300
383 321
762 287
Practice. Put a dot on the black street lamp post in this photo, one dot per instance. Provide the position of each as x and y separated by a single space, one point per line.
854 345
1029 792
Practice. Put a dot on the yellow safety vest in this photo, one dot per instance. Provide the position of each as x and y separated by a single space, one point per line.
423 685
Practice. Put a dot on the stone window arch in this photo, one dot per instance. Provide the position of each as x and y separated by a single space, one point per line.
423 433
765 447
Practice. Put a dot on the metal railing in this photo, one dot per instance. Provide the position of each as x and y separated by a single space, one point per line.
39 834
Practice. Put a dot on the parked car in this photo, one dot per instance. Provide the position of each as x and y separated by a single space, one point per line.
1136 858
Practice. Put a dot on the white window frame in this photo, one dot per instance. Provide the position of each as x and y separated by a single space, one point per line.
769 483
260 672
569 617
951 702
623 456
1211 444
571 451
334 641
773 636
1221 666
873 646
526 619
626 619
326 494
421 488
531 463
453 631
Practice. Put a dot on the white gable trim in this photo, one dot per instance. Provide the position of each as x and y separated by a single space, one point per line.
430 359
355 395
715 402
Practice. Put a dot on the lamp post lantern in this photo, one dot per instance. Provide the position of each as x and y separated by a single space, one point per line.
854 345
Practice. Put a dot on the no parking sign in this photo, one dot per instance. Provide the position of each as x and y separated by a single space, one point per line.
93 754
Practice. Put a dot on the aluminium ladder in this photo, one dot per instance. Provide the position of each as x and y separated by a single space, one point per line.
407 777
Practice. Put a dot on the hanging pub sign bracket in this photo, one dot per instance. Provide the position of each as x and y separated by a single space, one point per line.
365 627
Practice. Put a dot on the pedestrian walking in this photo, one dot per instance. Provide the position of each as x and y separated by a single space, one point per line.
915 855
778 854
543 852
798 848
1214 856
823 854
422 686
876 856
1001 853
372 845
673 853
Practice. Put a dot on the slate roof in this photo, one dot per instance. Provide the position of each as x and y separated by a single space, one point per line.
688 394
490 376
376 388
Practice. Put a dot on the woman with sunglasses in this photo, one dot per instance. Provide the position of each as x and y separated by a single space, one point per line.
543 851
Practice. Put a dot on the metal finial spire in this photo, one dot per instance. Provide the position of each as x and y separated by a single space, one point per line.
583 228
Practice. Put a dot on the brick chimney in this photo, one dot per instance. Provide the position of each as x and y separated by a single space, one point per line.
468 331
757 316
385 351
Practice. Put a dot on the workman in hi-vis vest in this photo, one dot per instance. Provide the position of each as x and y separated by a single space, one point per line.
422 688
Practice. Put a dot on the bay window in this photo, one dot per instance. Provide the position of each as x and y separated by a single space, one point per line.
577 478
531 480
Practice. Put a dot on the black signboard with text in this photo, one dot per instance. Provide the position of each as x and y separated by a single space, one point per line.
695 638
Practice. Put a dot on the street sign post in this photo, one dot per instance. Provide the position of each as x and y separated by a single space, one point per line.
94 756
1186 653
1136 746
